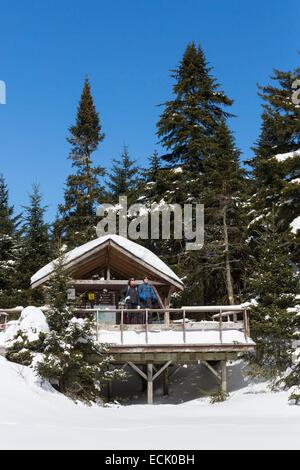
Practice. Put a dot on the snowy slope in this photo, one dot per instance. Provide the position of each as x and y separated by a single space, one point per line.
39 418
137 250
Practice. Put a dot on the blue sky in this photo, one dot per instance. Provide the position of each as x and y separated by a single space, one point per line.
127 48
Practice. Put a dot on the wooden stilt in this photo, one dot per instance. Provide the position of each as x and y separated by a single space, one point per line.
223 377
150 383
144 384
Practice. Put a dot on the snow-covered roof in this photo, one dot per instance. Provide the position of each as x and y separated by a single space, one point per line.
134 249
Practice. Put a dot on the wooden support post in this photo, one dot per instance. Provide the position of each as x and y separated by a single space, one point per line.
213 371
144 384
167 318
223 377
97 325
183 325
245 324
146 326
150 383
122 327
221 326
248 322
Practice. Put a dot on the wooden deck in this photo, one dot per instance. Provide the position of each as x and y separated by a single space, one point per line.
132 345
188 335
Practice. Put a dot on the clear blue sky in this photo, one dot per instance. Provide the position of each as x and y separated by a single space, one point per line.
127 48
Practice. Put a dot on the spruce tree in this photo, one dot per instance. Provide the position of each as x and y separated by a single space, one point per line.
9 250
83 188
188 123
35 251
276 178
198 146
272 281
123 178
223 197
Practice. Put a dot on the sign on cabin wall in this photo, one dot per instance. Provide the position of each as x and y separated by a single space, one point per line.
91 296
71 294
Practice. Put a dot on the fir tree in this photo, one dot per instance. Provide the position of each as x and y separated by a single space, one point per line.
9 250
123 178
273 282
223 198
83 189
35 251
188 123
199 149
276 179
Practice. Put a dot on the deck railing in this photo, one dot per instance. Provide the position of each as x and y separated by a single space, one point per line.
234 317
226 318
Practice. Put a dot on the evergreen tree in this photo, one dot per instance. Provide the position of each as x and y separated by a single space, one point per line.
276 177
154 183
73 361
35 251
187 126
9 250
83 189
223 198
273 282
200 156
123 178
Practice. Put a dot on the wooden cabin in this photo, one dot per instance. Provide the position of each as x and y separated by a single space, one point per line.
100 270
211 335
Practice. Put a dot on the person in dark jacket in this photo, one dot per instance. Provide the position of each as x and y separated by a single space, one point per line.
147 297
131 300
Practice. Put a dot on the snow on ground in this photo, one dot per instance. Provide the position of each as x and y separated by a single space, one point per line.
174 337
33 417
32 321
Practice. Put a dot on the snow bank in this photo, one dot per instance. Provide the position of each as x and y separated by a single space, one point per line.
32 322
35 417
281 157
137 250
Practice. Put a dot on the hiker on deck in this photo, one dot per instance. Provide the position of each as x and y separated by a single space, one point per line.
132 301
147 297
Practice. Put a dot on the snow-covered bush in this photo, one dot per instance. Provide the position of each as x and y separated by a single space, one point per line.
25 337
75 364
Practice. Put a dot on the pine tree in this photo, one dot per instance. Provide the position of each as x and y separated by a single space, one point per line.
83 189
9 250
35 251
123 178
273 282
73 361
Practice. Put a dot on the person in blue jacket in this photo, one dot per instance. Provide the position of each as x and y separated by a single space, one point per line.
147 296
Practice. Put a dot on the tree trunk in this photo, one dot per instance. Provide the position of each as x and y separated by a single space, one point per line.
229 284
